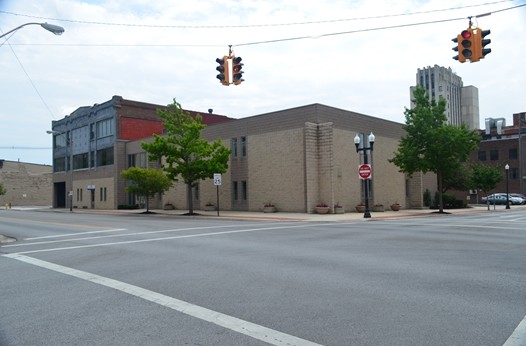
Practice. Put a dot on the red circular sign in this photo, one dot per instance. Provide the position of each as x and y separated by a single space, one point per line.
364 171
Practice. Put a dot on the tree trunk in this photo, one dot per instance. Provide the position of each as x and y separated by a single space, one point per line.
440 199
147 204
189 198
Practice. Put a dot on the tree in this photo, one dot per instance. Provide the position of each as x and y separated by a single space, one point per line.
2 190
146 182
431 145
485 178
186 154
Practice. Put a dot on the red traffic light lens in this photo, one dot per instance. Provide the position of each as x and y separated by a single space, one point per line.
466 34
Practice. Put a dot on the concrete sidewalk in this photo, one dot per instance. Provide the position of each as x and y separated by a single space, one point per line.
280 216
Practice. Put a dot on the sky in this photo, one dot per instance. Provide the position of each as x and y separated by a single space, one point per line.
360 56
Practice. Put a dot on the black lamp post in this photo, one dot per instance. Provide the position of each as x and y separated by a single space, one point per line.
366 152
507 168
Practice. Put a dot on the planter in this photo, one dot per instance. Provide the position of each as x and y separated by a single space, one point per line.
322 210
269 209
395 207
168 206
210 207
378 207
338 210
360 208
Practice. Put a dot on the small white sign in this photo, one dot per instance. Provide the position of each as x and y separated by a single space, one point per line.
217 179
91 187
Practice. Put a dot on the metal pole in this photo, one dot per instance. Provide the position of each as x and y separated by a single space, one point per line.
507 187
367 213
217 199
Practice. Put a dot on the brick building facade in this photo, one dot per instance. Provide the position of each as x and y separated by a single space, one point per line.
25 183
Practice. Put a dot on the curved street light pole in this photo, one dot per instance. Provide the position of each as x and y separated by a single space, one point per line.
507 168
57 30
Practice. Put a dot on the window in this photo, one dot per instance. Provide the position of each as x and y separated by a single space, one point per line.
235 191
79 195
482 155
233 147
103 193
105 128
105 157
196 192
243 146
244 189
59 164
514 173
494 155
80 161
131 160
513 154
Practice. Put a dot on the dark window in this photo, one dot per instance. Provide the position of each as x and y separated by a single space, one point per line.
80 161
233 147
235 192
196 192
59 164
243 146
482 155
131 160
244 189
514 173
105 157
494 155
513 154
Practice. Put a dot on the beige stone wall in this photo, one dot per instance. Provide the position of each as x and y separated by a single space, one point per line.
82 196
26 184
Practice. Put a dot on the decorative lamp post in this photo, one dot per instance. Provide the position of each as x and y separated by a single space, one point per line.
66 166
57 30
507 168
366 152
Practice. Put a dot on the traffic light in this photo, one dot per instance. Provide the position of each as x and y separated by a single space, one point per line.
481 43
237 74
464 45
224 75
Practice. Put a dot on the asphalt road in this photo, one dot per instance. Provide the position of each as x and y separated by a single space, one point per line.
79 279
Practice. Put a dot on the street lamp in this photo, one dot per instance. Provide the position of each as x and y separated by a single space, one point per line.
366 152
66 159
507 168
57 30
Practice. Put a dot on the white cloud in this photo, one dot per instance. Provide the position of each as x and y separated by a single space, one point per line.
368 72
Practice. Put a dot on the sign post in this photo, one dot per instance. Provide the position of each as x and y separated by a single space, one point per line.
365 171
217 183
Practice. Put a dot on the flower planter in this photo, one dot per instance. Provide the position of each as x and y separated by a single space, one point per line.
322 210
395 207
210 207
338 210
168 206
378 207
360 208
269 209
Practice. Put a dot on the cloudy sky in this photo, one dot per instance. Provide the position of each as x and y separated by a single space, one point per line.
360 56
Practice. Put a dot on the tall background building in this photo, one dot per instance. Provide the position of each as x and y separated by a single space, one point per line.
462 103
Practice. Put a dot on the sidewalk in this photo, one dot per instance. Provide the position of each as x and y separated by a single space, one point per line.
280 216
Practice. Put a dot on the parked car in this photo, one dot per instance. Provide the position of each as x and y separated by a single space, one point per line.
520 196
500 198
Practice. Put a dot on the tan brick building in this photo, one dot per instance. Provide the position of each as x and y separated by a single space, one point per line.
25 183
300 157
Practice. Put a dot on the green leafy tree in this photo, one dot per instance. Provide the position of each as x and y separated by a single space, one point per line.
146 182
186 154
484 178
431 145
2 190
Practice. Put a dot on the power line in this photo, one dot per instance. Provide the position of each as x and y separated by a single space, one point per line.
252 25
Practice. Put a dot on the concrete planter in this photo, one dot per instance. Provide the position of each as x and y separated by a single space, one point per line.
338 210
271 209
322 210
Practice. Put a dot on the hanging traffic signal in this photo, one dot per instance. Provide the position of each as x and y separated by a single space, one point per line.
465 45
224 75
482 42
237 74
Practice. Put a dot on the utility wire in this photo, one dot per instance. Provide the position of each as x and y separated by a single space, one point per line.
252 25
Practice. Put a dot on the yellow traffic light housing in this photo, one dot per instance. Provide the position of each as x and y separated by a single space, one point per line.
224 71
237 74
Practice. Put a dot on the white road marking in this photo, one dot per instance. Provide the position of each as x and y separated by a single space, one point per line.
170 238
74 234
518 337
111 235
250 329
